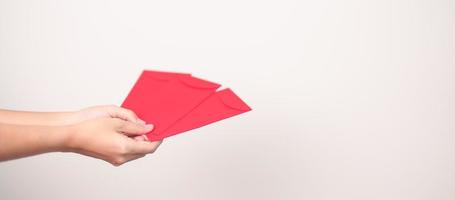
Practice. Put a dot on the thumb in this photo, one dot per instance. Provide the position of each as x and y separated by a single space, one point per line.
132 129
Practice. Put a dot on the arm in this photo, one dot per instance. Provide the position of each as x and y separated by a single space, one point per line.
103 132
65 118
35 118
24 140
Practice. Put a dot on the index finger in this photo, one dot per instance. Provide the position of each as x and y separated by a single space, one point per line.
125 114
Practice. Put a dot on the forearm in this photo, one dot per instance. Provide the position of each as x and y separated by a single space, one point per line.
35 118
18 141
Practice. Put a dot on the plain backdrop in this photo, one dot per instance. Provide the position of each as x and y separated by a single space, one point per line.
351 99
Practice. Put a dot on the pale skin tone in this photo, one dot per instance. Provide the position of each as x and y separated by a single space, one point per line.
110 133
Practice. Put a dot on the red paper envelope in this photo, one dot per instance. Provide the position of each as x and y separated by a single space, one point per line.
162 98
149 86
221 105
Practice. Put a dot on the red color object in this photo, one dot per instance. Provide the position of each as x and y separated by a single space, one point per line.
176 102
219 106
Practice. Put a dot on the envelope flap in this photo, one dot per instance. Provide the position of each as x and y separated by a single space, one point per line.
162 76
231 100
198 83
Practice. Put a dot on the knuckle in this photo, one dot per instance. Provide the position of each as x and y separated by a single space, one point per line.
130 112
115 164
117 161
121 149
119 122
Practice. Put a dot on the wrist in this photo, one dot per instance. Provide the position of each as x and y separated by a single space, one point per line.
66 138
70 118
44 138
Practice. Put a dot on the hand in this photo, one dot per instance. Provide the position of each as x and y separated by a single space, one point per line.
110 139
111 111
110 133
103 111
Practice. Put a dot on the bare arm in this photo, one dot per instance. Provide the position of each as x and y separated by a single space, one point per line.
35 118
66 118
23 140
109 133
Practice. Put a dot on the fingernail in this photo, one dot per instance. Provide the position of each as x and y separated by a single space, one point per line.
139 138
145 138
149 127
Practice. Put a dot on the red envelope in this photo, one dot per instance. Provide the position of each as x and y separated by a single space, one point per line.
176 102
221 105
147 88
162 98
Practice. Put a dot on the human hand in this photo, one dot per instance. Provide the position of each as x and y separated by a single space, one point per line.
103 111
111 133
109 139
111 111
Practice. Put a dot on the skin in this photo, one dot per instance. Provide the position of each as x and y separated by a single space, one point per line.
110 133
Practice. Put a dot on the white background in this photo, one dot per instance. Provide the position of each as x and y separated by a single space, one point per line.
351 99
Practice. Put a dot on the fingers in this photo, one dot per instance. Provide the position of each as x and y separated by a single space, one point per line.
125 114
143 147
132 129
140 138
136 149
